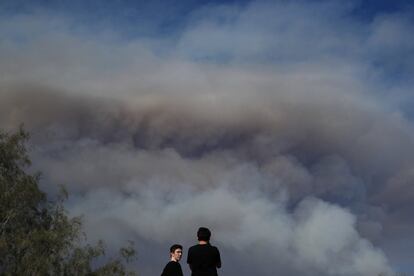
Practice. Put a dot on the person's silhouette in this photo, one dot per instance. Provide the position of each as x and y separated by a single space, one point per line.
203 258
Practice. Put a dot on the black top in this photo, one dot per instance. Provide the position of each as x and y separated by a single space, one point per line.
204 259
172 269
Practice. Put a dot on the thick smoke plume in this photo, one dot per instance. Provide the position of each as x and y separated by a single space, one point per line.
295 165
267 174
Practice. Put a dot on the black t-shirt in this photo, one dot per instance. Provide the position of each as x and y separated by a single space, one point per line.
172 269
203 260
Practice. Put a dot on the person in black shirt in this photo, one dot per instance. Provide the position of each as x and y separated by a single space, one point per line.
203 258
173 268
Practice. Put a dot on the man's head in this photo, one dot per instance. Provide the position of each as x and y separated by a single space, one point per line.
203 234
176 251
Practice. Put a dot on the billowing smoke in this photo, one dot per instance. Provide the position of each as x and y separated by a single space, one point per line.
293 162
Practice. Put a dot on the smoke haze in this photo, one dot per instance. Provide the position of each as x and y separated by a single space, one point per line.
283 127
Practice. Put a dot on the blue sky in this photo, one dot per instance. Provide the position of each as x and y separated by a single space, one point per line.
166 16
290 116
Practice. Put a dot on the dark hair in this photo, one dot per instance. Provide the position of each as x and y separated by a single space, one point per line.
175 247
203 234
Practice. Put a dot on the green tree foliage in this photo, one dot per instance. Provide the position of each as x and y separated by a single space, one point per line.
36 235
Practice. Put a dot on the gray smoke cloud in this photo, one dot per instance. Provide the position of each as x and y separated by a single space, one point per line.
284 150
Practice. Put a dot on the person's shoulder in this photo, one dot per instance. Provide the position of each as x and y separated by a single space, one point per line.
172 268
176 263
193 247
172 264
214 247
